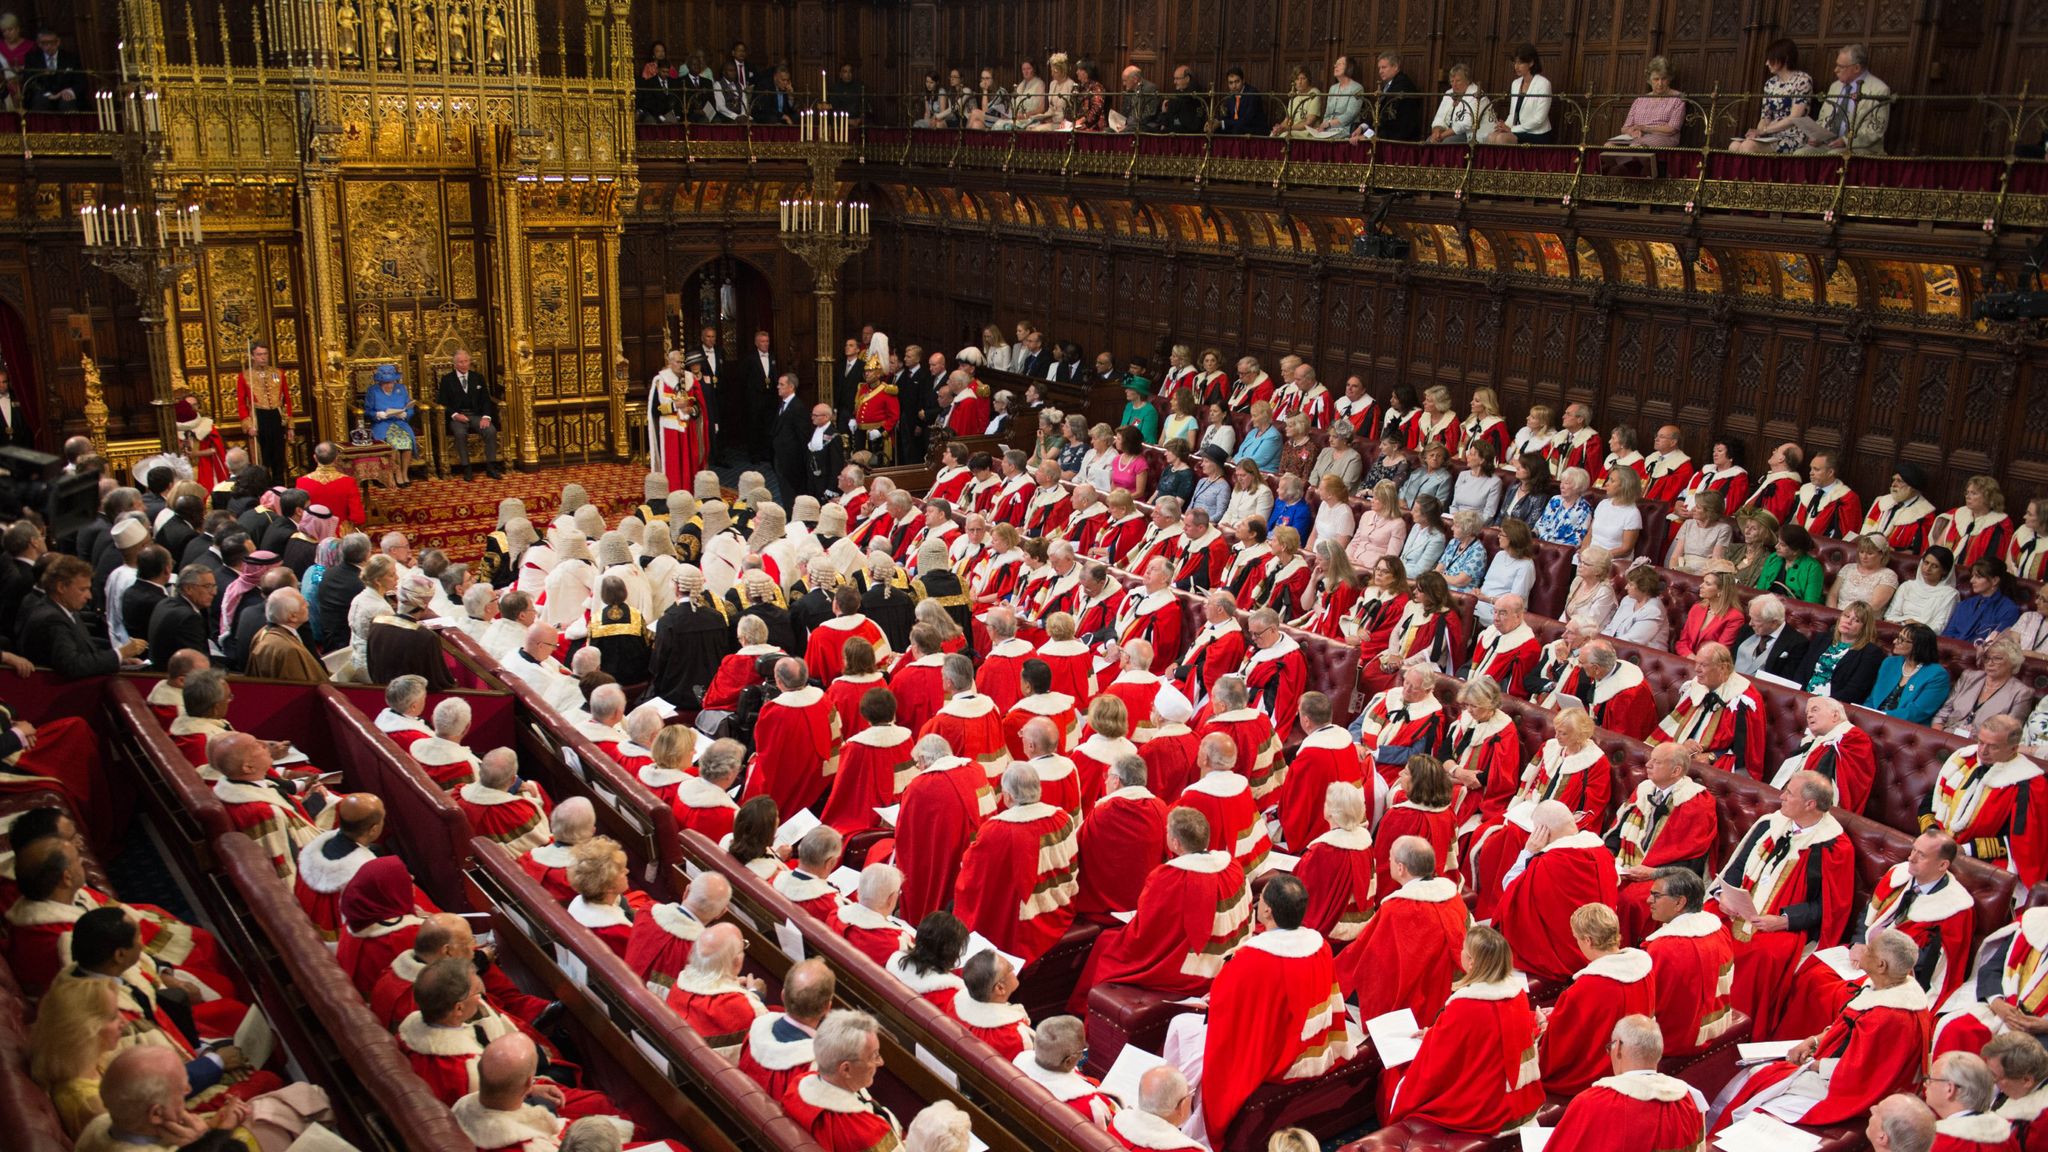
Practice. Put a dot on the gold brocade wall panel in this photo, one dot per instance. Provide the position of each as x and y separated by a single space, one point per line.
245 291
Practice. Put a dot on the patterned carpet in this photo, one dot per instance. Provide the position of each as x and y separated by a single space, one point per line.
455 516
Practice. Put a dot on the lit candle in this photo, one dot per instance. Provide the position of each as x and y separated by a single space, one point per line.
198 235
821 85
85 223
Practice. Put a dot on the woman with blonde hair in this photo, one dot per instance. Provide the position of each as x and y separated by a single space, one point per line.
1180 372
1717 615
1485 423
1705 535
1335 520
995 351
1978 528
1759 532
1438 424
1476 1071
1284 588
1058 92
673 754
78 1027
1870 579
1382 529
1336 590
1537 434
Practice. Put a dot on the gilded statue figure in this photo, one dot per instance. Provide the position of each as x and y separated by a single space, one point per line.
494 34
458 33
348 28
387 30
423 48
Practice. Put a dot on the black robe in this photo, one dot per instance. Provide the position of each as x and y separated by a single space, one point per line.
893 611
690 642
620 637
807 613
398 646
944 586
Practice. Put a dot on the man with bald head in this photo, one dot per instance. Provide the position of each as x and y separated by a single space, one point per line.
332 859
777 1051
1612 690
1900 1123
1719 716
1560 870
535 664
1153 1122
1507 648
257 804
1637 1106
712 996
1989 798
502 808
167 696
1224 798
794 737
497 1115
1667 469
144 1090
1838 750
662 940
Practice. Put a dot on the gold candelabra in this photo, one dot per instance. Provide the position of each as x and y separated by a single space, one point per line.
148 249
825 233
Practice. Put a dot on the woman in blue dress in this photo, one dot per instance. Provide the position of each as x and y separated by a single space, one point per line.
389 408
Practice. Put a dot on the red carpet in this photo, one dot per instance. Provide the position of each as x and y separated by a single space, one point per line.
455 516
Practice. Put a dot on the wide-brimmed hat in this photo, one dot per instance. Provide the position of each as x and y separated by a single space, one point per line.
1138 384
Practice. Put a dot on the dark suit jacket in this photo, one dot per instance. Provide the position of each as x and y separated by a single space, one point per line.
18 431
92 538
43 80
175 624
1034 364
1241 113
1855 673
790 437
475 399
844 389
175 534
257 521
338 587
222 577
54 638
249 620
823 467
1400 110
1787 652
754 397
138 606
1183 112
16 578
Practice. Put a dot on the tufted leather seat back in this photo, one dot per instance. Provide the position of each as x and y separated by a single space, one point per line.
431 831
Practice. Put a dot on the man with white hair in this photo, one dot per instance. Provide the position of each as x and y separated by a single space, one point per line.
1902 1123
635 753
833 1102
1164 536
1403 720
573 822
1152 615
808 884
1984 797
869 921
1224 797
1836 749
1560 870
1015 495
741 669
1506 649
1122 839
1612 690
1785 889
1765 643
1561 655
479 610
1217 650
1163 948
1001 668
711 994
1141 684
502 809
662 940
1671 820
497 1115
1637 1106
1152 1122
1056 513
943 808
1058 1044
703 800
1874 1048
778 1050
607 717
535 664
445 757
1016 884
1961 1091
794 737
277 652
970 722
1060 591
1719 715
1252 731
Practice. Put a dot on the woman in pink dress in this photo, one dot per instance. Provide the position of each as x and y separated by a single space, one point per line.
1127 470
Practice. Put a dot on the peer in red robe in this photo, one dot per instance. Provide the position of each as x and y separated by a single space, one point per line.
1338 868
1275 674
1327 755
920 689
514 820
660 944
737 673
1563 873
1939 920
1121 840
874 767
1997 812
1095 755
704 807
445 1057
1236 826
260 810
825 655
1193 911
1058 707
1252 732
879 935
974 729
1672 825
1477 1070
2020 979
1016 885
1275 1015
1436 824
840 1120
1843 753
794 739
1876 1047
1073 668
611 923
1620 702
325 867
1802 880
1154 617
1003 1026
1830 512
1397 724
943 808
1643 1111
777 1053
1577 1031
997 678
1215 652
1692 960
1725 720
1507 657
846 693
1484 757
1169 754
1408 954
716 1006
811 892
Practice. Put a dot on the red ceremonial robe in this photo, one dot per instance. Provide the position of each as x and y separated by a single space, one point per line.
705 807
1169 754
1409 952
660 944
318 882
1536 907
1059 785
1326 756
1973 537
943 808
1005 1027
1119 538
446 1059
879 936
1275 1014
997 678
1507 657
1051 512
1693 961
1833 514
736 673
813 894
1477 1071
1073 668
1996 812
717 1007
793 743
513 819
1203 561
1258 748
920 690
1143 1132
1096 615
1235 825
1775 494
1139 689
274 820
974 729
1393 721
1016 884
1902 524
1405 817
1491 750
1633 1112
1667 475
1193 911
1013 500
2023 981
1940 923
846 693
1093 758
1076 1091
1576 1035
777 1053
1275 676
841 1121
1158 544
611 923
1807 875
1057 707
950 482
1217 651
1154 617
1975 1133
548 864
825 654
874 766
940 988
1878 1046
1680 831
1845 755
1621 703
1337 867
1122 839
405 731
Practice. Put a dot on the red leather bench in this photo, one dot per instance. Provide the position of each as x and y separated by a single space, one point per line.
319 1019
429 830
16 802
639 1051
186 813
32 1121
